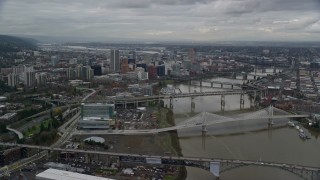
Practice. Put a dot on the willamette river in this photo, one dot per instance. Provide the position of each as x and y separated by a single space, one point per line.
245 140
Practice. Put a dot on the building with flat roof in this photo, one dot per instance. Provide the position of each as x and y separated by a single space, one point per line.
96 116
55 174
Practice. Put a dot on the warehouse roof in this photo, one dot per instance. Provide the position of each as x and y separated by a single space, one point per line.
55 174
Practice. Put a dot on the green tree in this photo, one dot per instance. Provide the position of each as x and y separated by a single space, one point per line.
42 128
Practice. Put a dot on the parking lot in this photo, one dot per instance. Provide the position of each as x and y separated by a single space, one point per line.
129 119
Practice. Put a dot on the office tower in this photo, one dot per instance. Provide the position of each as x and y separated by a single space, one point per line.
115 61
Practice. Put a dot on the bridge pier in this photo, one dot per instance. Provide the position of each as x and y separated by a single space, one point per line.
204 129
171 103
241 101
234 75
244 76
193 105
270 113
223 103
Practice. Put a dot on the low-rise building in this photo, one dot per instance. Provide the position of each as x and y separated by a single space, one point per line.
96 116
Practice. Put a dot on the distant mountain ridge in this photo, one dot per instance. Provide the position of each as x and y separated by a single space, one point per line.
14 44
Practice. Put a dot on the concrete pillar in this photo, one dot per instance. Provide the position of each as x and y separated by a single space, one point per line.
244 76
241 101
223 103
234 75
193 105
204 128
171 103
270 113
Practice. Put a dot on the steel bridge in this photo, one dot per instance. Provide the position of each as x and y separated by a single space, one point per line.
214 165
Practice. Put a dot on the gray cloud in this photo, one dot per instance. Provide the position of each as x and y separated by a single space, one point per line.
203 20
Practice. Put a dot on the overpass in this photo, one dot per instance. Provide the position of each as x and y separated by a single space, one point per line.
214 165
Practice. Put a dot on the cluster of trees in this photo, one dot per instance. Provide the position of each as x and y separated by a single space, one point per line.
45 137
27 113
4 88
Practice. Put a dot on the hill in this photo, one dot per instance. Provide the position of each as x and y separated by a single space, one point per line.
14 44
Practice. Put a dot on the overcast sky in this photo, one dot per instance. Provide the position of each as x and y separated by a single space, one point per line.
190 20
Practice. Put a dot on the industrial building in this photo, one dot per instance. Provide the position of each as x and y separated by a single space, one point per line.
55 174
96 116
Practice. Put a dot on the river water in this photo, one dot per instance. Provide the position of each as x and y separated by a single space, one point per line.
245 140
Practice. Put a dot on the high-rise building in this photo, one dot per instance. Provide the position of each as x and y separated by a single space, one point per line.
78 71
41 78
115 61
89 73
161 70
97 70
124 66
71 74
142 75
152 72
29 78
54 60
142 65
13 80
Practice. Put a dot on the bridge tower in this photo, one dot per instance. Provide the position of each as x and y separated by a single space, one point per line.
270 114
223 103
241 101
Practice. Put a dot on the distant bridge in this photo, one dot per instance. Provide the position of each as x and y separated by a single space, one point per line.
214 165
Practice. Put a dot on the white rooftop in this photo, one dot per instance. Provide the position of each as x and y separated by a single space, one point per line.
54 174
